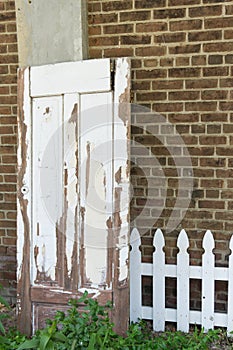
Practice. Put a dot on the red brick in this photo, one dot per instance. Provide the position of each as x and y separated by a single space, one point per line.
214 117
152 27
135 16
7 100
200 106
225 106
103 41
8 38
169 38
117 5
10 140
183 2
205 11
199 60
9 241
141 4
118 29
150 74
184 95
13 48
167 62
7 16
151 96
169 13
212 162
184 49
94 30
212 140
103 18
214 129
215 71
221 22
168 107
94 7
214 95
183 118
205 36
184 72
95 53
135 39
118 52
215 59
217 47
11 27
150 51
150 63
185 25
182 61
10 5
167 84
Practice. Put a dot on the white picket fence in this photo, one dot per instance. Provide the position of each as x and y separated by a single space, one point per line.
182 271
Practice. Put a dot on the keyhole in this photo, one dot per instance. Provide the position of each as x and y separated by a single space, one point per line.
24 190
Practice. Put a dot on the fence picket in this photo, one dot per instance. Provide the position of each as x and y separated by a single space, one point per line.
208 282
158 282
135 277
183 282
230 290
208 273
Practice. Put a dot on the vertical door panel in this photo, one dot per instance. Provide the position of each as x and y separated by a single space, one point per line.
95 184
71 189
47 116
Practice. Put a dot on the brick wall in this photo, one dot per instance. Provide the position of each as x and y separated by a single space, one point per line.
8 80
181 68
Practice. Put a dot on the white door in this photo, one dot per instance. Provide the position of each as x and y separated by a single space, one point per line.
73 187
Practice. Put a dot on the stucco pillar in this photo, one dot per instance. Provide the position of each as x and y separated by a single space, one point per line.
51 31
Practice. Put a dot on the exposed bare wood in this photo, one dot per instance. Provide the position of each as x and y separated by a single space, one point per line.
24 306
121 189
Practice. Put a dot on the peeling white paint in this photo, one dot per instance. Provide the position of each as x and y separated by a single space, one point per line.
70 134
48 189
90 291
121 157
27 175
96 131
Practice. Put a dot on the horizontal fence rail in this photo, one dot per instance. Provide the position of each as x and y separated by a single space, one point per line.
183 272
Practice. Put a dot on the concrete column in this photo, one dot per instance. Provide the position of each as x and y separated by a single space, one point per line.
51 31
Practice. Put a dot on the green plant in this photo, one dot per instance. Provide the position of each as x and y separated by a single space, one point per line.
3 315
89 327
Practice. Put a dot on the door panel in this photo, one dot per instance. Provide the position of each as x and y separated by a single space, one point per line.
73 189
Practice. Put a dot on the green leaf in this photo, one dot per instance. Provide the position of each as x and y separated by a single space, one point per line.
44 341
92 342
2 329
4 302
50 345
29 344
60 337
73 344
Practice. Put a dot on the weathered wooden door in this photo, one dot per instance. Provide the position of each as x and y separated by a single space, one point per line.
73 187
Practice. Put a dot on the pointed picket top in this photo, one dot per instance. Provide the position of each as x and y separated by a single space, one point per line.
135 277
231 245
135 239
230 291
183 282
158 241
183 242
208 241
